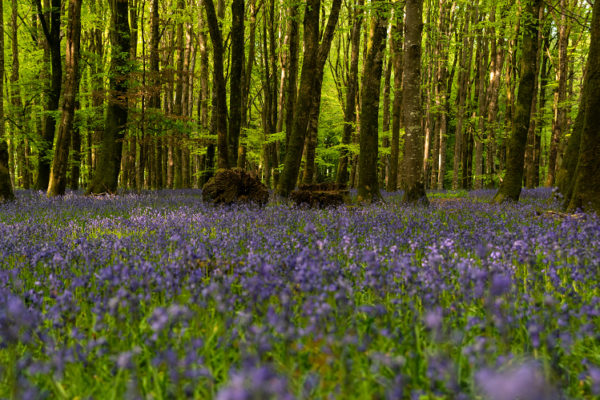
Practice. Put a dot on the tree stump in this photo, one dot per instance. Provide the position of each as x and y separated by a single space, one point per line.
235 185
6 190
320 195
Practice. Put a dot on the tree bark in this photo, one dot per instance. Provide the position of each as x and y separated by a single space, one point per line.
510 189
397 29
235 80
106 176
585 194
291 86
6 189
368 185
351 91
493 92
559 123
60 163
466 56
51 31
219 84
17 103
414 185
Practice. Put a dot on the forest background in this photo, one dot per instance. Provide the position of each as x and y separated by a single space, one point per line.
149 94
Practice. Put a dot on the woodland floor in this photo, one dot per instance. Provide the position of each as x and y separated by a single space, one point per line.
158 295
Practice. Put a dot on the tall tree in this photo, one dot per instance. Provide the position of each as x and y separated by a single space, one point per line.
51 30
368 185
315 55
58 175
414 184
559 122
235 79
6 190
154 100
106 176
584 183
397 34
464 70
351 90
219 84
510 188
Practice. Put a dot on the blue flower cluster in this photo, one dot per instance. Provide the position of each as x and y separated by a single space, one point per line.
158 295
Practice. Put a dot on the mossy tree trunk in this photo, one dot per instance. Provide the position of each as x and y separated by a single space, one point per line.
510 188
6 190
585 182
109 163
413 182
368 185
60 162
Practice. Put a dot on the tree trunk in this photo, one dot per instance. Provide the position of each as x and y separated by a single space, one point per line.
6 189
16 102
466 56
510 189
384 161
291 86
414 185
351 91
235 79
480 137
314 62
75 163
559 123
60 163
398 27
586 179
106 176
368 185
154 118
496 66
52 35
219 84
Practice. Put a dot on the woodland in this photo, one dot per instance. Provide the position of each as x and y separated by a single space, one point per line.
412 191
388 95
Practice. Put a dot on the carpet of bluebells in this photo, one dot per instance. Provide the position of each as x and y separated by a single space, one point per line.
159 296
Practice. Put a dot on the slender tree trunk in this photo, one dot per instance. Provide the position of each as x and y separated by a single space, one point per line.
510 189
60 163
530 156
351 92
414 185
384 161
493 92
480 137
75 164
6 189
397 29
462 92
235 79
51 31
368 185
559 123
16 102
219 84
154 117
106 176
